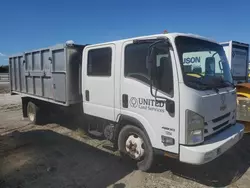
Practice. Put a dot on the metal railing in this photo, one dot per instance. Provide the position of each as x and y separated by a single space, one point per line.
4 77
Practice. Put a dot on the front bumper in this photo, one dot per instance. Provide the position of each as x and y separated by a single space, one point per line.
213 147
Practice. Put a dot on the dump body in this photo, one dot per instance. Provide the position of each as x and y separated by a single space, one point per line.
52 74
237 56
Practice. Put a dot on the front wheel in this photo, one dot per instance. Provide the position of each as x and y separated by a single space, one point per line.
134 143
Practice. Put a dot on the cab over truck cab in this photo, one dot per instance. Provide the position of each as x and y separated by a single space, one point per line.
153 101
147 95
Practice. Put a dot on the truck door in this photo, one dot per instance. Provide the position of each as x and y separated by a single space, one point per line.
98 81
138 103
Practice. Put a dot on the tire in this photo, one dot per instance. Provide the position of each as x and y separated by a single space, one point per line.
34 113
144 162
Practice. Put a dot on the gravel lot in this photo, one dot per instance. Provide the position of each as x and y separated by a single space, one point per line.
61 155
4 87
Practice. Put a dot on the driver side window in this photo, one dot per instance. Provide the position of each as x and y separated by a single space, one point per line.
135 67
135 62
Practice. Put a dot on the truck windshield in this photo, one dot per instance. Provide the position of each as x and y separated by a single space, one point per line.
204 64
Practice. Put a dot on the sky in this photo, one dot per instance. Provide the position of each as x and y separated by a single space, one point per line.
27 25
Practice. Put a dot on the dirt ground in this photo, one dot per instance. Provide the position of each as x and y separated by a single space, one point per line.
61 155
4 87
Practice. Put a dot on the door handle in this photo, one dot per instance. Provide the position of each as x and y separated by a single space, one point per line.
125 101
87 95
170 106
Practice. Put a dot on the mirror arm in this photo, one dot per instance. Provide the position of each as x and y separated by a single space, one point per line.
150 51
151 90
214 54
156 42
154 94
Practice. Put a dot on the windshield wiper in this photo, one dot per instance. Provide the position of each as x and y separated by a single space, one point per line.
203 85
213 87
227 82
230 83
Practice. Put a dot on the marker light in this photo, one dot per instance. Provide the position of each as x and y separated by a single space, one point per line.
165 31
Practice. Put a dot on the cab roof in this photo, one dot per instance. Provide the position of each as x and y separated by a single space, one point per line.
171 36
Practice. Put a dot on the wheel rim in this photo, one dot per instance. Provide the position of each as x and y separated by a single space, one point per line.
31 113
135 147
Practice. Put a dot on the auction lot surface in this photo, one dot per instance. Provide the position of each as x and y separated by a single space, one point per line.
59 155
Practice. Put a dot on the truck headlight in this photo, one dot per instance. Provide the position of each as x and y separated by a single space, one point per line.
195 128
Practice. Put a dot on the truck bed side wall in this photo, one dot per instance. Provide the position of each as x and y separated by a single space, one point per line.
50 74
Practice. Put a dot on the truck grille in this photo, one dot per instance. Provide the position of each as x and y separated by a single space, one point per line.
217 124
221 118
220 126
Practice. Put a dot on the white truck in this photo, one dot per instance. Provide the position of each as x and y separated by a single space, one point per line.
140 93
238 57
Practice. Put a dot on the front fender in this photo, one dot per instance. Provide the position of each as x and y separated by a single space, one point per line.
140 121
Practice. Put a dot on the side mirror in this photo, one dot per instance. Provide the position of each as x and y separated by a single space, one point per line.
210 66
151 63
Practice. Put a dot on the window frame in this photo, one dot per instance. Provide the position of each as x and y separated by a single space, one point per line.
124 60
111 61
139 80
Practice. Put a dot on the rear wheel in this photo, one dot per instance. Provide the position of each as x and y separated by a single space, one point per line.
34 113
133 143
